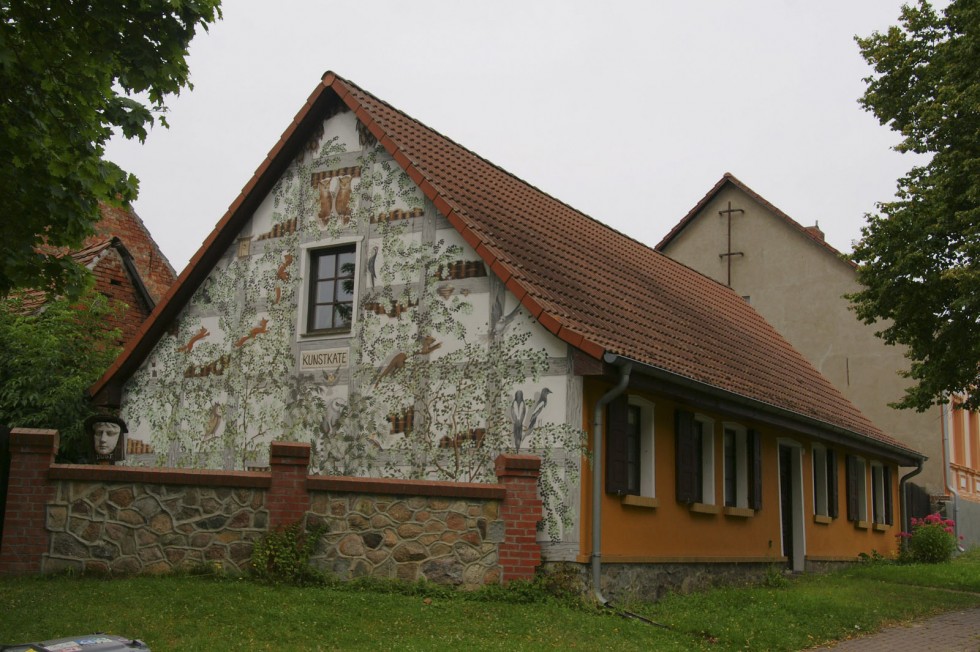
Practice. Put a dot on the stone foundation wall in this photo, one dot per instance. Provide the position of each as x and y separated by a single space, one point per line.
653 581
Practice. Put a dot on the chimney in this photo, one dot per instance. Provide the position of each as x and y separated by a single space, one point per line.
815 231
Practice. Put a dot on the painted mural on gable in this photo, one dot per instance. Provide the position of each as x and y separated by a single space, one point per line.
349 314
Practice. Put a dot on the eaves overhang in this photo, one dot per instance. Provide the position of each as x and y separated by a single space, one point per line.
708 396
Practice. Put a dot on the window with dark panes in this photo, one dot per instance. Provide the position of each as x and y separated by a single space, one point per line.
824 482
630 447
331 303
742 468
633 448
881 494
731 468
694 468
857 489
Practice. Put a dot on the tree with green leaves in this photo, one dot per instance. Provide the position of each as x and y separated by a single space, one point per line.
918 257
71 73
48 358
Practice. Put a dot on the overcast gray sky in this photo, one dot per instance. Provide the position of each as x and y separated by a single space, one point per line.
627 111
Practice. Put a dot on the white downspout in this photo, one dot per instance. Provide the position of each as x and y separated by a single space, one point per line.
947 412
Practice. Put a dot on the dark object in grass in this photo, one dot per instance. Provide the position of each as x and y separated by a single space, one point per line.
89 643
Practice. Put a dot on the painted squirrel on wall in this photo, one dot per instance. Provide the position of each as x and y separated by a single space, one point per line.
252 334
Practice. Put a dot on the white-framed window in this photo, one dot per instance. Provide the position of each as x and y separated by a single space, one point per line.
645 481
630 447
735 471
824 481
881 494
857 489
328 304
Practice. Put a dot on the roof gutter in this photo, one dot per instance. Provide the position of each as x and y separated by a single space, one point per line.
903 456
625 367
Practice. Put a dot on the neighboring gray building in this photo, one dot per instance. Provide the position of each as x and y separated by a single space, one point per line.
797 281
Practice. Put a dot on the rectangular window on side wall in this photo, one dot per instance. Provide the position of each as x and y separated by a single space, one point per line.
330 307
881 494
629 447
742 462
824 482
695 462
857 489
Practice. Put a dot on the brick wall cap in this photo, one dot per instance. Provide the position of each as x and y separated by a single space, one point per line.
290 449
40 438
395 486
159 475
508 463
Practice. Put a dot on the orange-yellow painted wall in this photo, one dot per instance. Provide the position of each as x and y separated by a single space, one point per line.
672 530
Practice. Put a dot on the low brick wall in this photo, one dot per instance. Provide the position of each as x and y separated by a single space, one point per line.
116 519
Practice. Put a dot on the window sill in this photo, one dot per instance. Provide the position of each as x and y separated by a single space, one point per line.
324 335
641 501
881 527
704 508
822 520
862 525
741 512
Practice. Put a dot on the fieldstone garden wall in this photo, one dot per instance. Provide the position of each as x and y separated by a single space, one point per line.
116 519
444 540
151 528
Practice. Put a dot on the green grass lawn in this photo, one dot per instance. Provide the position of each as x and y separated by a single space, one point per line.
201 613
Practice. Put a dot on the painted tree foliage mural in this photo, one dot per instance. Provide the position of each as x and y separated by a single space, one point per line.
442 375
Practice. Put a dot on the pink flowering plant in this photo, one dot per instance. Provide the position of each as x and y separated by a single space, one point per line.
931 541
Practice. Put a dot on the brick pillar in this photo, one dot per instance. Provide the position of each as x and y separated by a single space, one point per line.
288 498
520 511
25 540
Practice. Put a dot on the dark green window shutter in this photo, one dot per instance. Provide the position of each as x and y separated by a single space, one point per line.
853 511
832 498
755 466
617 442
687 448
886 480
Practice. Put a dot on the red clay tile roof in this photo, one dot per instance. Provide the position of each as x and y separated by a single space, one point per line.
32 300
590 285
729 178
115 278
153 267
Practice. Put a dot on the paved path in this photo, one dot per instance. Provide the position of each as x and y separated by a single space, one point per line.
955 631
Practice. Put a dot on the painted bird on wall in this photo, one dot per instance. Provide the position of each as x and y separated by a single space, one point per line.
214 420
540 401
498 320
372 261
517 411
429 344
342 201
326 199
331 416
